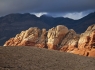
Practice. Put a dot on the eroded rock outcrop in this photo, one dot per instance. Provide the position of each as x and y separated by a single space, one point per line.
86 43
31 37
40 38
57 38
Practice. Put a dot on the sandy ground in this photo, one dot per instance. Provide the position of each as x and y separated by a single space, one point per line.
30 58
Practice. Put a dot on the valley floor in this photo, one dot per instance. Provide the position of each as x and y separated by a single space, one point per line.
31 58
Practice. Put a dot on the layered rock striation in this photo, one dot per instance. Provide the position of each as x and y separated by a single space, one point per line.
58 38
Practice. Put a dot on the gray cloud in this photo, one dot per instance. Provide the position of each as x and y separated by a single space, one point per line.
50 6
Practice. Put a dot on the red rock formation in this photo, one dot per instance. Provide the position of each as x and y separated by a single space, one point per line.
30 37
86 43
83 45
70 41
57 38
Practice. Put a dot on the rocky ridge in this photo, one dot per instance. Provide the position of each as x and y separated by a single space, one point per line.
57 38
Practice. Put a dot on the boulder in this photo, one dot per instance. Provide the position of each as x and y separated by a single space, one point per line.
55 36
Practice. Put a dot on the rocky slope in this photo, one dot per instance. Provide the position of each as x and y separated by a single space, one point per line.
58 38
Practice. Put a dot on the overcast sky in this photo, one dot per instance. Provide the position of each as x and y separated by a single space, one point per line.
74 9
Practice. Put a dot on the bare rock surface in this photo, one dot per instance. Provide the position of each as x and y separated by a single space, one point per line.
57 38
87 38
39 38
32 58
31 37
86 43
70 41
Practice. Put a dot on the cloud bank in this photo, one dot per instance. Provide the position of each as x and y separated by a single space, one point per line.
51 7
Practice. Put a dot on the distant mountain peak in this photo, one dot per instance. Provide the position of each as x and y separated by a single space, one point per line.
12 24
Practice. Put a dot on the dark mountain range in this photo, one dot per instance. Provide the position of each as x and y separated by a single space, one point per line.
12 24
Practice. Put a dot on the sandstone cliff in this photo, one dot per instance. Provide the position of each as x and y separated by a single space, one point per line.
58 38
